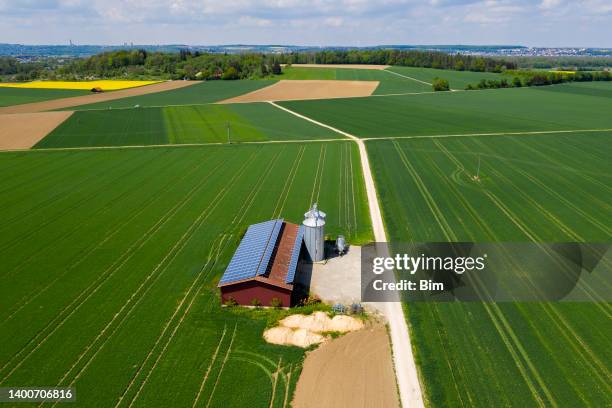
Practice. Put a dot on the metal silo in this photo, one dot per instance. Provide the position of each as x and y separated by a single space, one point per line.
314 233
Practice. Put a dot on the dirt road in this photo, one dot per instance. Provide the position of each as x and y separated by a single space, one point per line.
405 366
354 370
93 98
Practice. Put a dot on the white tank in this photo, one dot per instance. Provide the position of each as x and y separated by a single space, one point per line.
314 233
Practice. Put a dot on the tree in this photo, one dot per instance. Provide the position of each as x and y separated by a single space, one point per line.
440 84
276 68
230 73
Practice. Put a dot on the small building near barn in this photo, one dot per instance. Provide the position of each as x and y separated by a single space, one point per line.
263 269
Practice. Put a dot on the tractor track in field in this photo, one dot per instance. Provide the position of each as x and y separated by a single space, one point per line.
109 235
550 310
75 229
169 257
68 209
95 286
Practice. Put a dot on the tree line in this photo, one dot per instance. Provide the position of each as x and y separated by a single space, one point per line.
140 64
539 78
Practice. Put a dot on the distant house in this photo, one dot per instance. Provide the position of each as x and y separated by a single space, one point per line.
263 269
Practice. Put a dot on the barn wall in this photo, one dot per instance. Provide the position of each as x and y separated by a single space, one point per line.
245 292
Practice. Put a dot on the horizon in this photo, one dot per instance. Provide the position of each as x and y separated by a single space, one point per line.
353 23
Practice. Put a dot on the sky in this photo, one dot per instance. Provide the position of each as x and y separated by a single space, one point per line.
545 23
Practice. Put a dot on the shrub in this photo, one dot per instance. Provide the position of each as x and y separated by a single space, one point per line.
440 84
255 302
311 300
231 302
516 82
276 303
230 73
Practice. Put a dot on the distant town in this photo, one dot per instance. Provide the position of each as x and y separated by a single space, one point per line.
26 52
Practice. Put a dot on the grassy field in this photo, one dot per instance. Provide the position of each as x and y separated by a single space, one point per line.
389 83
546 188
205 92
456 79
563 107
180 125
17 96
111 259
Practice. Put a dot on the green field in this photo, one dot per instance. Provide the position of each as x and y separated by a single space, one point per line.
456 79
545 188
564 107
200 93
111 259
181 125
18 96
389 83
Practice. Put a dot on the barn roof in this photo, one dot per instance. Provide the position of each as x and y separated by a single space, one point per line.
268 252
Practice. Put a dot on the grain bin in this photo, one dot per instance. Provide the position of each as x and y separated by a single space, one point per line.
314 233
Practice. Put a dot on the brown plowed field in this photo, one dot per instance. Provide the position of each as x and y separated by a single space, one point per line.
288 90
93 98
24 130
353 371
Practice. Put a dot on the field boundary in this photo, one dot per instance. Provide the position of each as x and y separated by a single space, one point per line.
347 138
534 132
406 76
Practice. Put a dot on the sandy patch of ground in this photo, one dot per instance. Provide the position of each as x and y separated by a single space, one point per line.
24 130
305 330
352 66
354 370
93 98
287 90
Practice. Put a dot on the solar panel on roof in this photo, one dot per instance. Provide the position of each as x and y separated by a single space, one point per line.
295 255
263 266
254 251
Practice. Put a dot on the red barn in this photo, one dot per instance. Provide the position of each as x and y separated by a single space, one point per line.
262 271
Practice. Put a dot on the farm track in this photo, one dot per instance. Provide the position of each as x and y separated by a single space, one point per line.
410 392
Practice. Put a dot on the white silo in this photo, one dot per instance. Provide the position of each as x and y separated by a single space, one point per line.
314 233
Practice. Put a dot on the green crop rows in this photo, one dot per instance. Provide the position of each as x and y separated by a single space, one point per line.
17 96
111 259
503 110
546 188
204 92
456 79
180 125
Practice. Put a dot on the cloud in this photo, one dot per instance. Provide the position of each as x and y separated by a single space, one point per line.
312 22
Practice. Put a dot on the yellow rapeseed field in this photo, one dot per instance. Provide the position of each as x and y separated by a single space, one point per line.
108 85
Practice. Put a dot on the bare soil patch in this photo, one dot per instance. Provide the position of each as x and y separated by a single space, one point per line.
305 330
24 130
351 66
93 98
354 370
287 90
